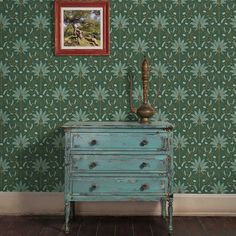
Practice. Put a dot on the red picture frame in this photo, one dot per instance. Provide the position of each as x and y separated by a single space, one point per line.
82 27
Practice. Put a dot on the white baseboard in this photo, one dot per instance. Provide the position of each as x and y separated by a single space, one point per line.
13 203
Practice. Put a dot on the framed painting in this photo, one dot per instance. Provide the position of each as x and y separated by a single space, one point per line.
82 27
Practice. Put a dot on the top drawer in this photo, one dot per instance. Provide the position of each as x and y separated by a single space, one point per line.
151 141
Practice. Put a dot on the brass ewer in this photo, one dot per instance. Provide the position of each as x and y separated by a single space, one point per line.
145 111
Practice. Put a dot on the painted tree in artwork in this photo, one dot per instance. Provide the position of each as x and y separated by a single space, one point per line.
82 28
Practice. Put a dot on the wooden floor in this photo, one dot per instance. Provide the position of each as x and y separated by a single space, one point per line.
117 226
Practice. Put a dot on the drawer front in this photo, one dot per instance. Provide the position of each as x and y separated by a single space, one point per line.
141 163
120 141
112 185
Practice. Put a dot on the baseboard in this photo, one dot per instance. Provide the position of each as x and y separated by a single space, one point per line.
12 203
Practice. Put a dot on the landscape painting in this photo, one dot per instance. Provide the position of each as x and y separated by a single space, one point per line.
81 28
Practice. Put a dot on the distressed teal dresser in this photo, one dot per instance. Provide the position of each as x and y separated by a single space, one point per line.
118 161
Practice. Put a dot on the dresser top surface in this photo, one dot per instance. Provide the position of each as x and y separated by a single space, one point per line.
113 124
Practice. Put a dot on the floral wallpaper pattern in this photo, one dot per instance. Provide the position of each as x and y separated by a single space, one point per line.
191 45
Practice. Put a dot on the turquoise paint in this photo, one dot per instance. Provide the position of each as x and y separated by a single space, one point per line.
107 161
130 163
112 198
134 141
118 185
127 127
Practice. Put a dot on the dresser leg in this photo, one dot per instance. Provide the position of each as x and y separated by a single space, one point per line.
170 213
67 216
163 208
72 211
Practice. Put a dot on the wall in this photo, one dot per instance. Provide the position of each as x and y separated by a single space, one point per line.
191 47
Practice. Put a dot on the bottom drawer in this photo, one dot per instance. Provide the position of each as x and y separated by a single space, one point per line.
118 185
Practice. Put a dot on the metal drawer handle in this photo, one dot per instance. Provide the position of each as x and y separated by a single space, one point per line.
143 165
144 143
92 165
167 160
144 187
92 188
93 142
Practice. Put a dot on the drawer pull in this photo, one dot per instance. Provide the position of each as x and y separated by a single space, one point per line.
92 165
144 143
167 161
93 142
144 187
92 188
143 165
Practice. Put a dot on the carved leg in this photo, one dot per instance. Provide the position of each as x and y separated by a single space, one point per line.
170 213
72 211
163 208
67 216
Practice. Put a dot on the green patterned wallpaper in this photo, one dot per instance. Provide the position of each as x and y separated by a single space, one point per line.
191 45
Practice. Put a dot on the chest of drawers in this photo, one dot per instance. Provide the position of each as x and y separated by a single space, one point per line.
118 161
